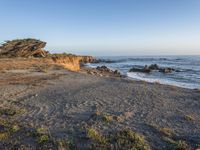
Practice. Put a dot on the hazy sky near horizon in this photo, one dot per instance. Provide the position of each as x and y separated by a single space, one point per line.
105 27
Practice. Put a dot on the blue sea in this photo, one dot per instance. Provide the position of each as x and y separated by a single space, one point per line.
187 74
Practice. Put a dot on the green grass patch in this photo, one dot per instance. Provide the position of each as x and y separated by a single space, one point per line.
123 140
7 129
95 135
43 139
128 139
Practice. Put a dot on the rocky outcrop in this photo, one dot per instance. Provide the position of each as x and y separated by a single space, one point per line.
143 70
86 59
104 71
166 70
153 67
71 62
23 48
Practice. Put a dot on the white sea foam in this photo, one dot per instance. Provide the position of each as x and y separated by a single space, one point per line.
143 77
90 65
187 68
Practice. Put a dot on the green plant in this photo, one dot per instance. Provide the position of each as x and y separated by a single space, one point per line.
62 145
7 112
127 139
4 135
40 131
7 129
181 145
177 145
21 111
107 118
14 128
95 135
3 122
189 118
43 139
102 117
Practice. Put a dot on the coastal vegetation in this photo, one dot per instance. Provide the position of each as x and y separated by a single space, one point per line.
125 139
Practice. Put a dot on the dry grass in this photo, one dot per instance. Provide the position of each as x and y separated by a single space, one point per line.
96 136
4 136
189 118
11 111
102 117
128 139
62 145
66 144
167 132
23 63
124 139
7 111
7 129
128 114
177 145
109 117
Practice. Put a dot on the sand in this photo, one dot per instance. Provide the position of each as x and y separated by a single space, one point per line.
63 103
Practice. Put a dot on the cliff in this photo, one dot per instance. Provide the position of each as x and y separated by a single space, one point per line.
26 48
71 62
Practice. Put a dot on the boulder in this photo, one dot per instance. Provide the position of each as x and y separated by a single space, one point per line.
166 70
23 48
116 72
106 71
153 67
144 70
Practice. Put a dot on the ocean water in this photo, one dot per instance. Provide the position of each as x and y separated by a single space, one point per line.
187 74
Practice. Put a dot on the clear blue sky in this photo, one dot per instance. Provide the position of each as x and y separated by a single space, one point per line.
105 27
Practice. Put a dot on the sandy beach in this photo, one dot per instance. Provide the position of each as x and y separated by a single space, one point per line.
56 108
100 75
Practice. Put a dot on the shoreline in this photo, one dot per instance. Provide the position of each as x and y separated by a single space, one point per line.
53 104
163 83
141 76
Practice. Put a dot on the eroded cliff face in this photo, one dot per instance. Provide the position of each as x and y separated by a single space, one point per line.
72 62
32 48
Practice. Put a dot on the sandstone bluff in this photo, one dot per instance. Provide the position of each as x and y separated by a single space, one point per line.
33 48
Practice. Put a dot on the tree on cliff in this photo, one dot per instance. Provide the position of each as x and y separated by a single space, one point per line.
23 48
